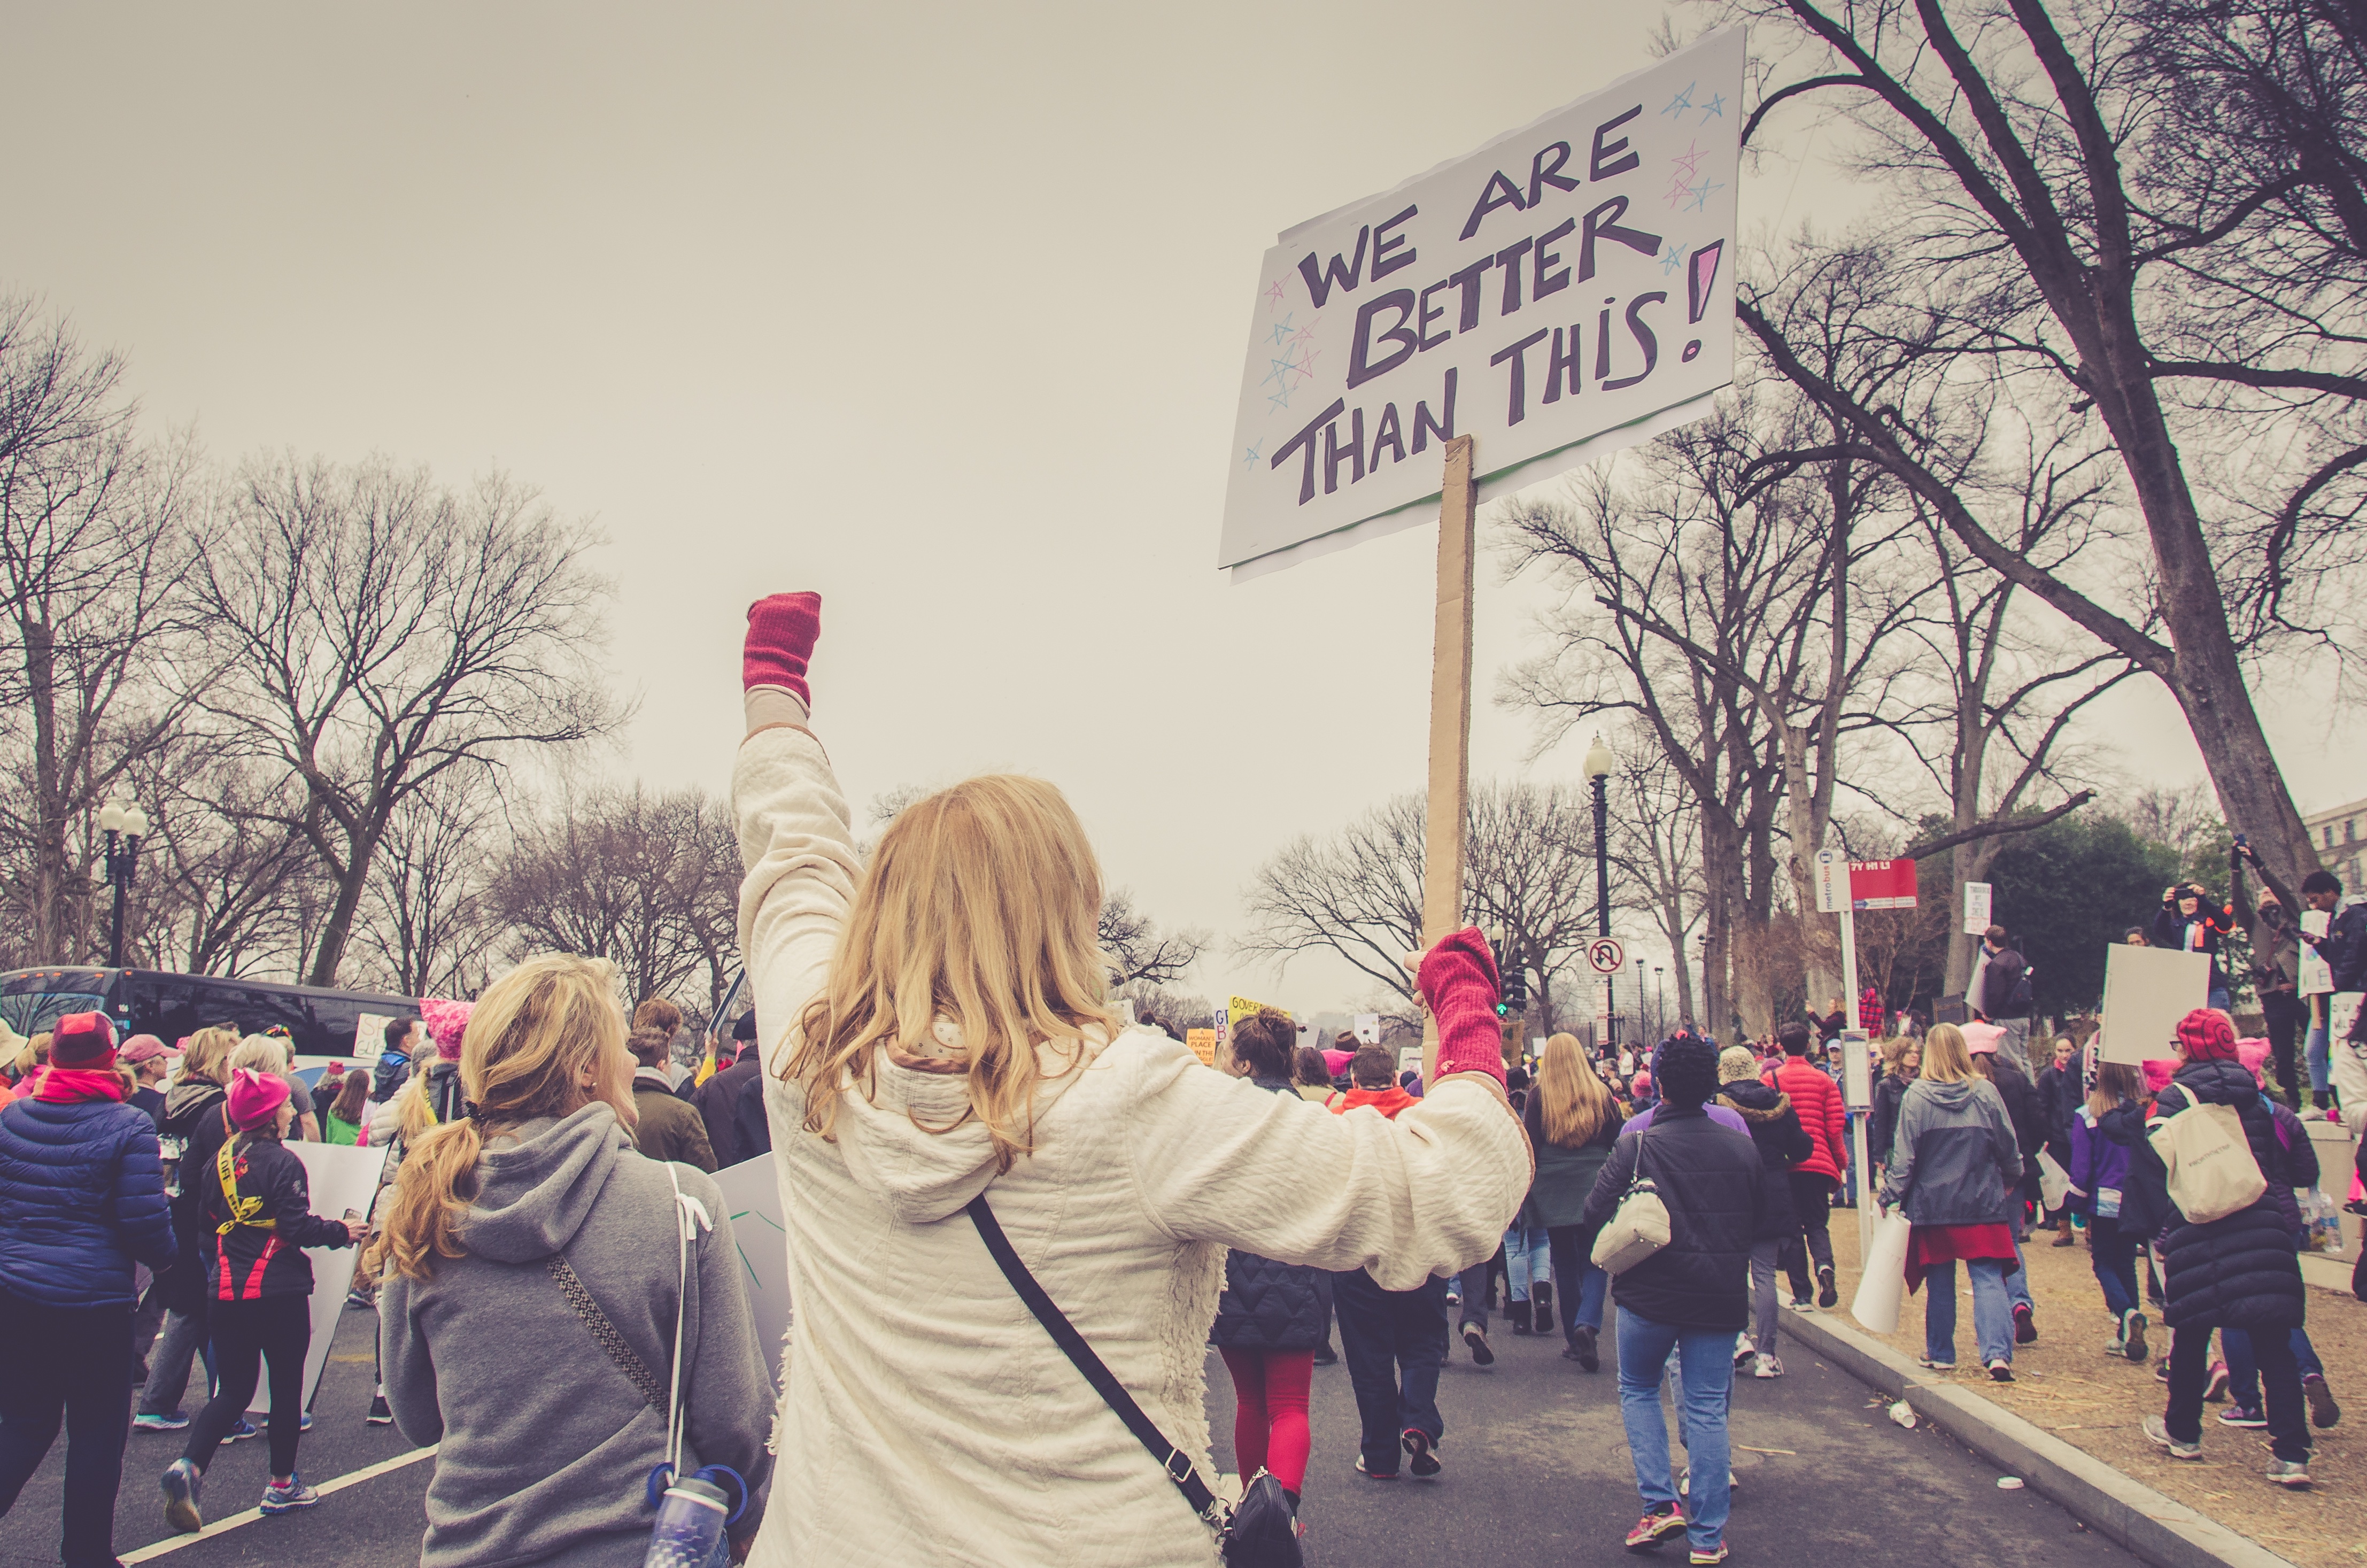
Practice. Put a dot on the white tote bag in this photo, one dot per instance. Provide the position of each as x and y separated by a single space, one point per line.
2212 1172
1883 1288
2054 1181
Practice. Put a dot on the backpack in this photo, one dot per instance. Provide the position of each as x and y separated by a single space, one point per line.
2209 1162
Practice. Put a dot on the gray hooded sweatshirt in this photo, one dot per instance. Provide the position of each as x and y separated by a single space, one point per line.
547 1443
1954 1159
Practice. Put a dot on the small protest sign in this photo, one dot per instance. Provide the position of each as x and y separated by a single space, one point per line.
1239 1007
1977 908
752 1202
1368 1028
2146 990
1203 1044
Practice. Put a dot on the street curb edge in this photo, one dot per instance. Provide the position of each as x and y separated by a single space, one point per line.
2163 1531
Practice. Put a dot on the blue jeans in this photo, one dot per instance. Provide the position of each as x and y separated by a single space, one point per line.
1525 1259
2218 997
2244 1368
1992 1310
2113 1257
2320 1071
1584 1304
1706 1380
2017 1284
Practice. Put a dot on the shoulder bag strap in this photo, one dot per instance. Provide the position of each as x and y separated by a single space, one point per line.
605 1333
1171 1459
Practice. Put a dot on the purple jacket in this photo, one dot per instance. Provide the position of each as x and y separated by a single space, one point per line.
1725 1115
2096 1162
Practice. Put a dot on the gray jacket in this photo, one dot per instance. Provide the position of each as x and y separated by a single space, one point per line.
547 1443
1953 1157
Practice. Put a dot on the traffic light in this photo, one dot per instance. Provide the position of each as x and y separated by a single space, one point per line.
1516 993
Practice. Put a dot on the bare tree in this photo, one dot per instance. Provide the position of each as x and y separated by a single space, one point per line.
221 875
430 924
1655 832
1136 952
384 632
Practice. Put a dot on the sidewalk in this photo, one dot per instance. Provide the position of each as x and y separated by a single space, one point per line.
2067 1385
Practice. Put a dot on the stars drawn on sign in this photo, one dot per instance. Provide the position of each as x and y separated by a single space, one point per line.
1702 192
1250 455
1275 293
1282 329
1682 102
1685 169
1713 109
1672 260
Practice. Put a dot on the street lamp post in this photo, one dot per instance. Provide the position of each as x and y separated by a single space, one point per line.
124 826
1659 1014
1598 771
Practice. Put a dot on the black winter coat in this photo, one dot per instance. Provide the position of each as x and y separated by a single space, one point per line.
2058 1097
1715 1187
2145 1194
1881 1123
1268 1305
193 1123
257 1260
2242 1271
1782 1142
2020 1096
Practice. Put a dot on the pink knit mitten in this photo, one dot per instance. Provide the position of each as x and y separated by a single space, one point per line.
1458 976
782 630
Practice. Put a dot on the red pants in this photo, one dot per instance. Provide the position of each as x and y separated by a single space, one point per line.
1270 1413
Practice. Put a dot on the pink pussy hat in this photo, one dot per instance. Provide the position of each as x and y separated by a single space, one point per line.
255 1097
447 1024
1981 1039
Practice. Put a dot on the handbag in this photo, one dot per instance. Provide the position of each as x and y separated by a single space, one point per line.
1639 1228
2209 1160
1260 1532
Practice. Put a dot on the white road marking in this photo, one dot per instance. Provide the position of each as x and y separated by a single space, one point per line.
222 1527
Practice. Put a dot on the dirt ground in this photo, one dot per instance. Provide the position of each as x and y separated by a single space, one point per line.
2066 1384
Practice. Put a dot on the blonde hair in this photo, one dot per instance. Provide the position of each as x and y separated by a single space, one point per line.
257 1053
983 906
207 1055
535 1033
1572 1104
1946 1058
1893 1053
2116 1082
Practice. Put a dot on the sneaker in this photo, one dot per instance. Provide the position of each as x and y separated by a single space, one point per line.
2314 1113
1935 1366
2000 1371
1802 1304
2237 1416
1743 1351
242 1431
160 1421
2214 1389
1477 1337
1766 1365
1685 1481
2025 1324
1715 1554
2161 1371
1582 1348
2158 1431
379 1415
1374 1474
1423 1463
2133 1327
1655 1527
184 1484
287 1499
305 1424
2290 1473
1827 1295
2323 1411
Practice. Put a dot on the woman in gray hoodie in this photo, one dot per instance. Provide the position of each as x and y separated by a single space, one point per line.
532 1260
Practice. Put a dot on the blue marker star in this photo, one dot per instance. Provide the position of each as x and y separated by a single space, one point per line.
1281 368
1682 101
1250 455
1670 262
1280 399
1701 192
1717 106
1283 329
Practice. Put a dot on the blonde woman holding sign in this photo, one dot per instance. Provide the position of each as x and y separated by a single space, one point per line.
959 1117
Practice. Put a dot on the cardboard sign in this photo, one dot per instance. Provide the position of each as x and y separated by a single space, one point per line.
2313 976
2146 990
1202 1043
751 1203
1564 291
337 1176
369 1036
1368 1028
1977 908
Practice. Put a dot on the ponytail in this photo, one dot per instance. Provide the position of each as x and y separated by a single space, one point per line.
432 1194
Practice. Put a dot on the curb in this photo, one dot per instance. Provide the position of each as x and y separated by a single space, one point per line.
2164 1532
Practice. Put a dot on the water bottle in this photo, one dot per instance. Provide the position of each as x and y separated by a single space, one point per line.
689 1531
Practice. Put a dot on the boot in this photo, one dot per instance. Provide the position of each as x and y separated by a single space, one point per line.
1519 1312
1541 1301
2063 1236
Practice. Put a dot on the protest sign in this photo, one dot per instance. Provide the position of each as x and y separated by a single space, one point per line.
2146 990
369 1036
1203 1044
339 1177
1564 291
2315 976
1241 1007
752 1202
1977 908
1368 1028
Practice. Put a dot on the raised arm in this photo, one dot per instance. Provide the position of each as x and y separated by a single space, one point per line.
796 841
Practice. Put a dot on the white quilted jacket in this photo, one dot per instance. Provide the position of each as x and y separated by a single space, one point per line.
927 1417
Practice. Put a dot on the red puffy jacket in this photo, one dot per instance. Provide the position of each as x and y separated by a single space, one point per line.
1818 1101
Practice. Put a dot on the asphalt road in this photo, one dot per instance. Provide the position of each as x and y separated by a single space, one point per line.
1535 1460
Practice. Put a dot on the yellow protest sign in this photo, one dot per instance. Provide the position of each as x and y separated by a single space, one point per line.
1241 1007
1202 1043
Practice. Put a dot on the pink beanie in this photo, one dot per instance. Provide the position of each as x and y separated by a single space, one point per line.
2159 1074
255 1097
2253 1053
1982 1039
447 1023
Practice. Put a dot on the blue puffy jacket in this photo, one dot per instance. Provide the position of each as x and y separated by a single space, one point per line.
82 1197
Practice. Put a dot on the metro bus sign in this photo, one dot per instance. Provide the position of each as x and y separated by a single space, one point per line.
1871 884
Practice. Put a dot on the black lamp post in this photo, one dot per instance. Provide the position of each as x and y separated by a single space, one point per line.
124 827
1598 771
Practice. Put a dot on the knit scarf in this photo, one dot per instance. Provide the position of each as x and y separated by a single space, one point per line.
65 1085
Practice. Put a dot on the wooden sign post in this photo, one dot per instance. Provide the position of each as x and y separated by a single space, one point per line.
1450 717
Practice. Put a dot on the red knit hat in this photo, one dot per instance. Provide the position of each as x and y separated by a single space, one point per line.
83 1040
2207 1034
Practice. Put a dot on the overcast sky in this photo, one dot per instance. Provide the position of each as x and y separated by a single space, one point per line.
938 310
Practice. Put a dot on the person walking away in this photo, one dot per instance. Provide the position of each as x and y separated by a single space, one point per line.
2189 921
307 1125
1902 1057
1782 1142
1573 1122
666 1127
2005 995
940 1031
151 1065
2238 1271
1688 1299
82 1201
348 1112
195 1127
1955 1168
2099 1169
2058 1097
2242 1371
731 1103
1310 1075
533 1231
1271 1316
259 1211
1984 1042
1813 1180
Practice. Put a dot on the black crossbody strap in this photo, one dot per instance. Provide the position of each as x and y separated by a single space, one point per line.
1171 1459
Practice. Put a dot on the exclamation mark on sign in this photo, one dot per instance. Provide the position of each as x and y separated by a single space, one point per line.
1699 278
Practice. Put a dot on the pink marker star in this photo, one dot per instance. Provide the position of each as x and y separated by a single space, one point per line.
1274 295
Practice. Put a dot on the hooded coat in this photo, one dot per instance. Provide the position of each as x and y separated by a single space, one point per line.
1267 1305
2240 1271
1782 1142
1882 1122
82 1198
1816 1100
553 1468
1955 1161
903 1440
193 1129
668 1127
